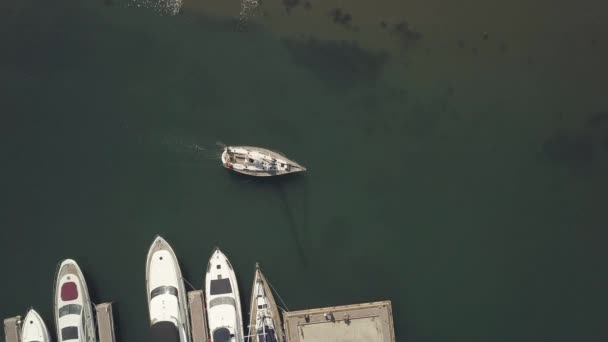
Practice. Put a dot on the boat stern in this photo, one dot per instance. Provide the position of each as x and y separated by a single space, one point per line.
226 159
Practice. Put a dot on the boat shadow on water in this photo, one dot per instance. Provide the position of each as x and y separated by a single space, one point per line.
116 322
292 193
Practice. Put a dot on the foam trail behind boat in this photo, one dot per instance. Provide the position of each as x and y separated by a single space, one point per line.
169 7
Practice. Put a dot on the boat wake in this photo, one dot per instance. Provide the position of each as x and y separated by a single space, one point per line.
194 151
249 8
196 147
168 7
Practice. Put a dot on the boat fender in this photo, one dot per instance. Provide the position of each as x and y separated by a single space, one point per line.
229 165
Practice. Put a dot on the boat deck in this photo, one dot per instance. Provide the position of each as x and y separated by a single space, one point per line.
105 322
256 161
273 307
368 322
12 329
256 169
198 316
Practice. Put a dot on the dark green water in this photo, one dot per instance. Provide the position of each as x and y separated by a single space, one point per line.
462 178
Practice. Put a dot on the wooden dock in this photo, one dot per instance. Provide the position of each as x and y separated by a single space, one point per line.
12 329
105 322
198 316
368 322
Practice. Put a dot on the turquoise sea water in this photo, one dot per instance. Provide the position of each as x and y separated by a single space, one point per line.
459 173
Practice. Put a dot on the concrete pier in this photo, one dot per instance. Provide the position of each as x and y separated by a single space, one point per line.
198 316
12 329
105 322
368 322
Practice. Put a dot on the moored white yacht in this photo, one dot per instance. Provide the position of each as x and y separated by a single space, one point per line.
264 319
33 328
223 301
73 309
256 161
167 305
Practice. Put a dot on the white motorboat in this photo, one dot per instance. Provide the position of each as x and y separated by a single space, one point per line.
33 328
223 302
167 305
73 309
264 319
256 161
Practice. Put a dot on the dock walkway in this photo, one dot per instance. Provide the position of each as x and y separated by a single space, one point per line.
12 329
105 322
368 322
198 316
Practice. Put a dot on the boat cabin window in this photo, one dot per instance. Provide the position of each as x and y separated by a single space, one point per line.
221 335
164 332
69 291
161 290
220 286
70 309
250 160
69 333
224 300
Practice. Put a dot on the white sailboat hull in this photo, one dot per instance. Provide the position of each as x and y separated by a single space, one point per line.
264 317
259 162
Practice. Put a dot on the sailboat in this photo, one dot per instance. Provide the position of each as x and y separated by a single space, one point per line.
257 161
264 319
